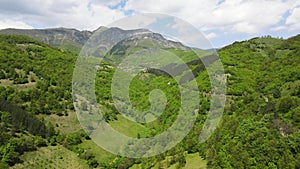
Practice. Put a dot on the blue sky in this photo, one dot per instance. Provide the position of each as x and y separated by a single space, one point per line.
221 21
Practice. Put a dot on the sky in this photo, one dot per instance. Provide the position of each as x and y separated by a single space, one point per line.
222 22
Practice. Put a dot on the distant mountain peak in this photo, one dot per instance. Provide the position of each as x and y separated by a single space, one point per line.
73 40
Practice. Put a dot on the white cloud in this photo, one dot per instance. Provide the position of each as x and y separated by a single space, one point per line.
87 17
135 22
211 35
81 14
189 35
279 28
180 26
107 2
237 16
14 24
245 27
294 19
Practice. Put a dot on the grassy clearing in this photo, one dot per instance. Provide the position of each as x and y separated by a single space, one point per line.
6 82
193 161
129 128
51 157
100 154
30 85
65 124
26 86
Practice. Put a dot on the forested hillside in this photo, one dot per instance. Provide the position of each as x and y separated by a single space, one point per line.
259 128
35 83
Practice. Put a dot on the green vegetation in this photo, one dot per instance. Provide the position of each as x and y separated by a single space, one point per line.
51 157
22 60
100 154
259 128
194 161
130 128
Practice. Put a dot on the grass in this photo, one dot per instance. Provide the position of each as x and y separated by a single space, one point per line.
193 161
100 154
122 125
6 82
65 124
30 85
26 86
51 157
129 128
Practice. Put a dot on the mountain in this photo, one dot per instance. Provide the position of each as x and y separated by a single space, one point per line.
73 40
259 127
70 39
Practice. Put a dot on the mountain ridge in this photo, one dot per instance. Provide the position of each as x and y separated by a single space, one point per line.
73 40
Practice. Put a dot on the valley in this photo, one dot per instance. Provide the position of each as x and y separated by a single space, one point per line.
39 126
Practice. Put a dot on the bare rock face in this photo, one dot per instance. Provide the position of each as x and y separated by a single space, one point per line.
68 39
103 38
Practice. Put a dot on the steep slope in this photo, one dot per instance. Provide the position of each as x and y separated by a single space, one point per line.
35 91
73 40
139 40
67 39
37 72
260 127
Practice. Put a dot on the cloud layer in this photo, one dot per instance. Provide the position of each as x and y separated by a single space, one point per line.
243 16
81 14
216 18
